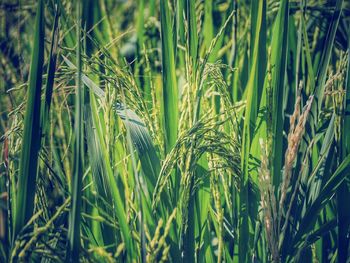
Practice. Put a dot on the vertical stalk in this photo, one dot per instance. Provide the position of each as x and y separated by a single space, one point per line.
78 150
170 92
28 167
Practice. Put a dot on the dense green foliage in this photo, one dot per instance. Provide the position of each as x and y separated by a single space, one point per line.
175 130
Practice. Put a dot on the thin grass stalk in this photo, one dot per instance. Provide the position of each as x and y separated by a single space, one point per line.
180 28
248 131
50 73
192 39
73 250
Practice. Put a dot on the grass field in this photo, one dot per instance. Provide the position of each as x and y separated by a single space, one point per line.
175 130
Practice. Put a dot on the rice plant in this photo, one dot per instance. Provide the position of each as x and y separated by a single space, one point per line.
175 131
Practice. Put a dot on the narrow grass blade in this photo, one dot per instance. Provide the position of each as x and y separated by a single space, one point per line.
251 113
78 152
278 67
193 37
208 26
31 133
180 31
170 91
50 74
